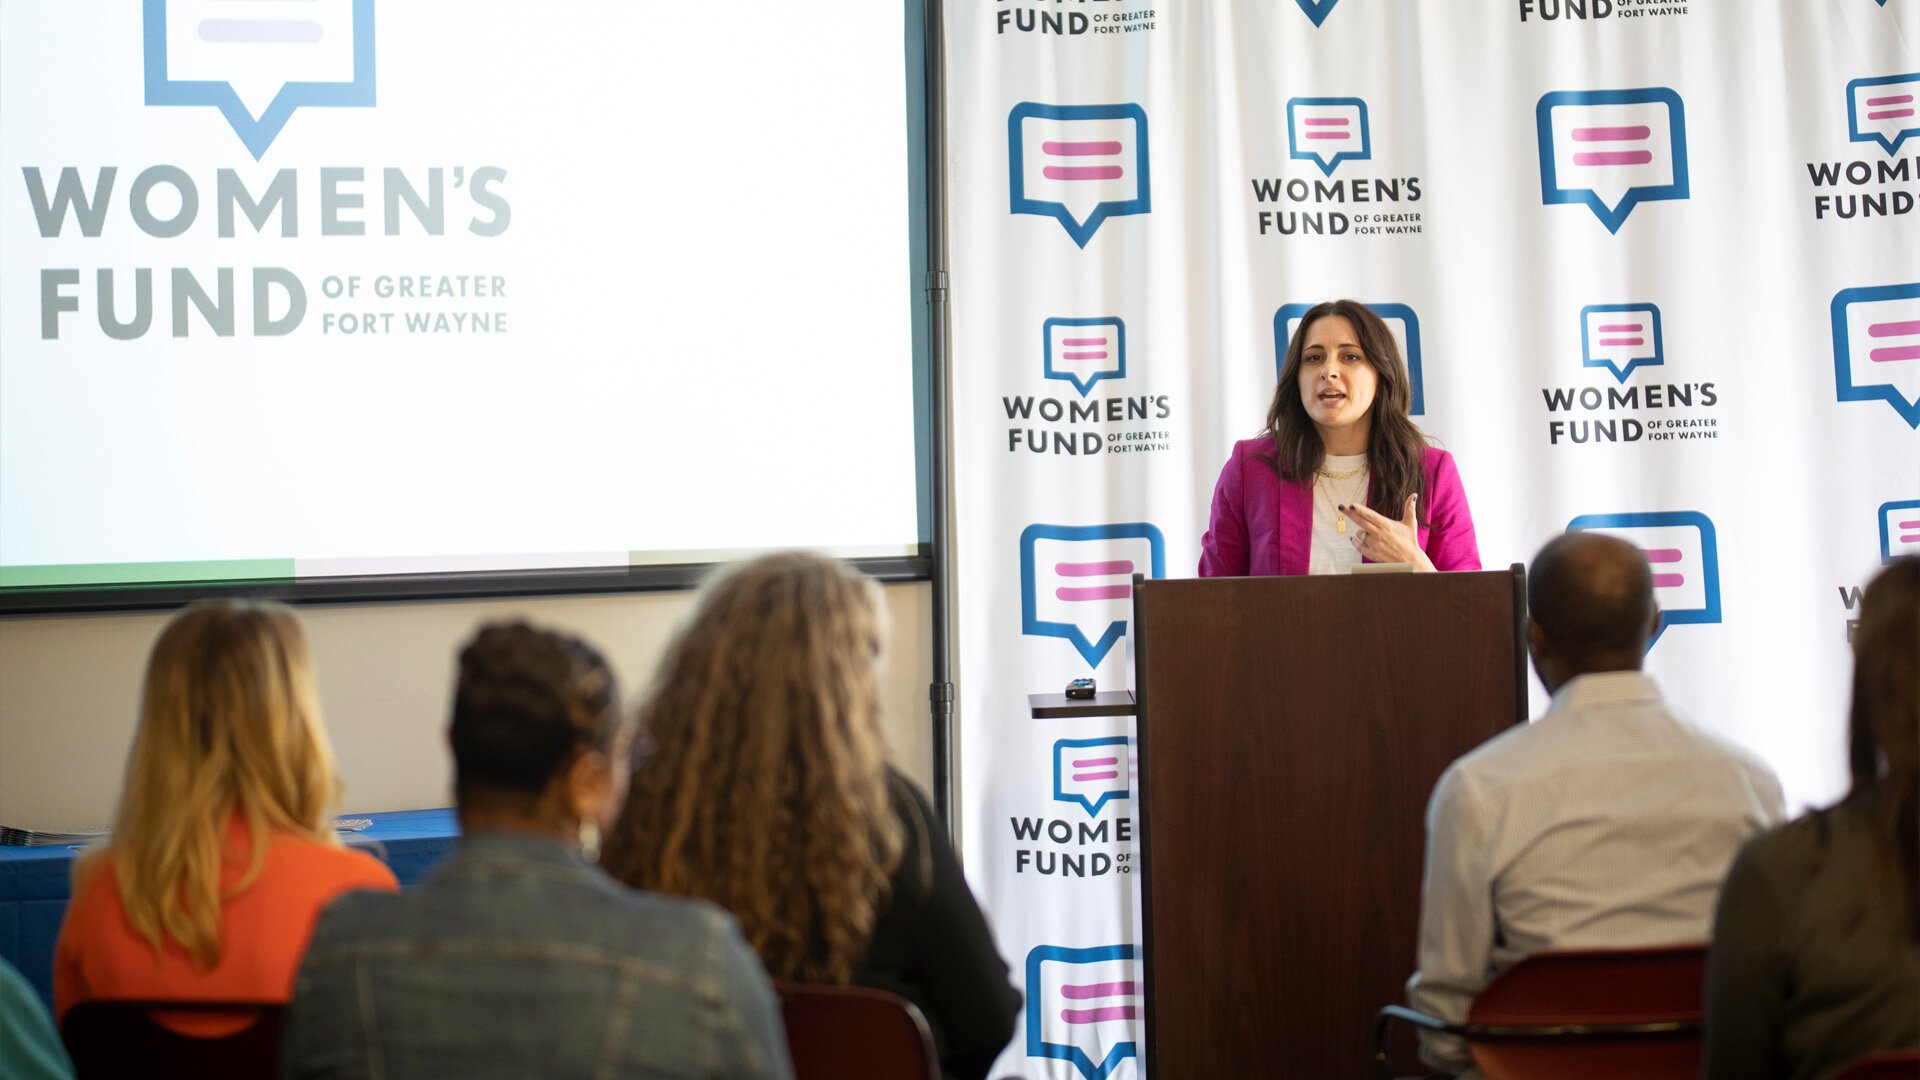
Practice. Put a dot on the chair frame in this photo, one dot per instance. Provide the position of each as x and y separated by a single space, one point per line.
262 1010
820 992
1496 1033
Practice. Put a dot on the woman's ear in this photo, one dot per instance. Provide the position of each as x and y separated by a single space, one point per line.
590 787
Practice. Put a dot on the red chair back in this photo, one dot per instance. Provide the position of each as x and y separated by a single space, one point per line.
1593 987
1886 1065
853 1033
124 1038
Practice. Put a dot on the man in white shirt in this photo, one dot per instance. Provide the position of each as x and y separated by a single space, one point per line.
1608 822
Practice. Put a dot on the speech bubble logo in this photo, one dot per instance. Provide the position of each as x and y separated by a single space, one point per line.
1400 319
1084 351
1318 10
1620 337
1612 149
1328 131
1092 771
259 60
1685 556
1899 530
1082 1006
1876 347
1076 581
1080 164
1884 110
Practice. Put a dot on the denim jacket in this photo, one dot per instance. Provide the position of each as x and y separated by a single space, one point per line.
518 959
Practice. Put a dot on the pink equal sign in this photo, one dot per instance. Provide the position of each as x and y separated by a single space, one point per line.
1890 108
1665 557
1104 1001
1111 568
1907 329
1622 328
1619 136
1083 348
1322 127
1910 531
1098 768
1106 148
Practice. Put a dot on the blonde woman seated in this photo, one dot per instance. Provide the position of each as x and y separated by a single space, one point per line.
763 785
222 852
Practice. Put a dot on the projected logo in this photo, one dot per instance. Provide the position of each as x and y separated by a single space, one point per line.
1318 10
1620 337
259 60
1612 149
1076 581
1884 110
1399 318
1876 347
1328 131
1092 771
1082 1005
1079 164
1084 351
1899 529
1680 546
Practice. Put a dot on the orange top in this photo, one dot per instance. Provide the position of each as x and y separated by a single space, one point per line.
263 931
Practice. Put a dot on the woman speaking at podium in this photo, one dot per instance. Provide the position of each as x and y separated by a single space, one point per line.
1341 475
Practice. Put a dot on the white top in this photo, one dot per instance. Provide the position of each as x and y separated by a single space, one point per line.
1609 822
1332 551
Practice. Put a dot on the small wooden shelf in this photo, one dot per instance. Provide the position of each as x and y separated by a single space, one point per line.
1060 706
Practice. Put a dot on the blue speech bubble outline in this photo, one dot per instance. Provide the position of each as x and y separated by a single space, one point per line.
258 134
1318 10
1365 152
1093 652
1038 1047
1417 392
1843 353
1550 190
1854 134
1083 385
1081 231
1709 612
1586 341
1887 556
1060 793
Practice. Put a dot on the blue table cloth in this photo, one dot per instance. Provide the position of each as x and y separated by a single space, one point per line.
36 883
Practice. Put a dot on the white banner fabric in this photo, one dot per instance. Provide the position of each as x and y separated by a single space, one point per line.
1656 267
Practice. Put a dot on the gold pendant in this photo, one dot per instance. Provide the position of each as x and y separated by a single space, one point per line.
1340 524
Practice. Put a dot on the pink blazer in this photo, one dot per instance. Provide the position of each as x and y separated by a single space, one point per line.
1262 525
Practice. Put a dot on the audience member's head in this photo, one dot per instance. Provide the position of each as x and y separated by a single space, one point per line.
229 728
536 716
761 783
1590 601
1884 733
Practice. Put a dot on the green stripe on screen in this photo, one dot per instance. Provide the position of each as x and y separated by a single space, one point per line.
144 573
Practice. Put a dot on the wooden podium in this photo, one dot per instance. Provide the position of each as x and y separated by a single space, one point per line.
1290 733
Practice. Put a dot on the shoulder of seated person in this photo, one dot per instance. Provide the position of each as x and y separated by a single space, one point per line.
346 861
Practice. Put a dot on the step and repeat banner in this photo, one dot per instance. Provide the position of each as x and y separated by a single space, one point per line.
1656 270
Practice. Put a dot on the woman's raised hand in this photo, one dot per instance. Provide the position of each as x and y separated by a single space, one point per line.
1383 540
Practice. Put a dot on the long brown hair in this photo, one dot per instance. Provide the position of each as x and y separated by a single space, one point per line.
761 779
1884 728
1396 448
229 725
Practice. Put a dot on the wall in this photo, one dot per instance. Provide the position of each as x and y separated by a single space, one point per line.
69 692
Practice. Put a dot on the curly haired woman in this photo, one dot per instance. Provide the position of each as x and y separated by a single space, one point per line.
763 785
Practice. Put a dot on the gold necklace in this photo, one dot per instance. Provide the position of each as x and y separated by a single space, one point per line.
1339 519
